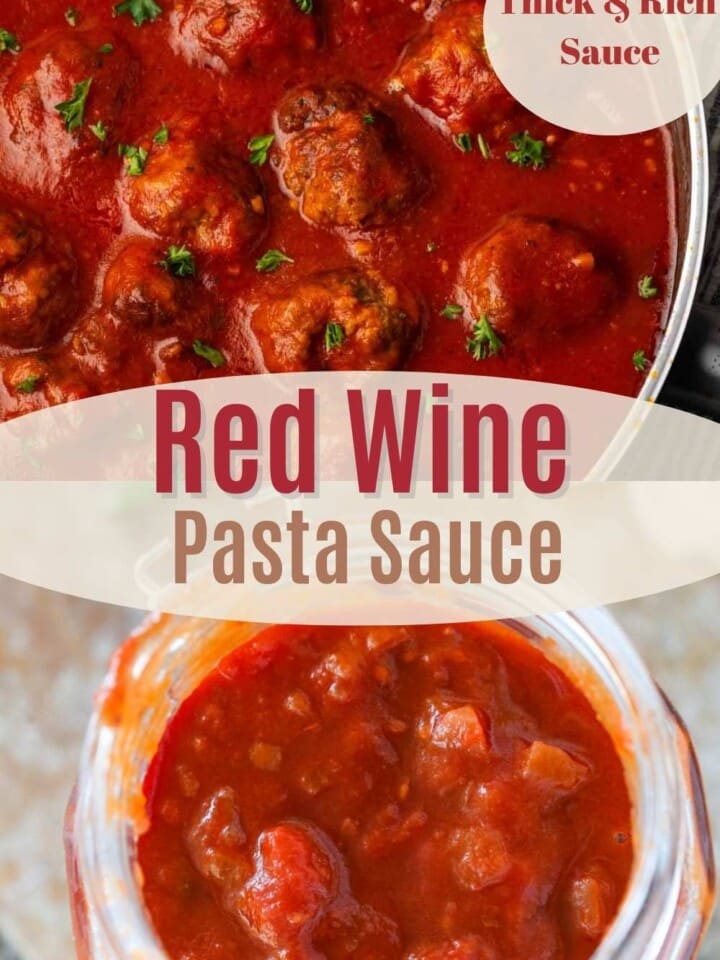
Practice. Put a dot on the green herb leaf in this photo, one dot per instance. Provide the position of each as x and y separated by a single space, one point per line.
259 148
135 158
483 147
142 11
216 358
100 130
647 288
451 311
304 6
71 15
640 361
179 261
29 384
73 110
463 141
483 342
334 336
528 152
368 119
269 262
163 135
9 43
106 48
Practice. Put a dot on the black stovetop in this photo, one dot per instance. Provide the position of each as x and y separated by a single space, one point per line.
693 383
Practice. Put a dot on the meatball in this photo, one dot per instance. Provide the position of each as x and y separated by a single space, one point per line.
241 32
44 142
30 383
342 159
37 288
191 190
141 288
534 276
339 320
147 321
445 70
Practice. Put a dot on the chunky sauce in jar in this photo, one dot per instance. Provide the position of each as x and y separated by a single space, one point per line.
425 793
208 187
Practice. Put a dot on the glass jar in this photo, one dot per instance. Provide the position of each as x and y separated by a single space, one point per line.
671 893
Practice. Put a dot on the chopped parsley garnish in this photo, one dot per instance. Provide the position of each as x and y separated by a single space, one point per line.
73 110
71 15
259 148
179 261
9 43
100 130
29 384
483 342
451 311
142 11
106 48
368 119
304 6
640 361
163 135
463 141
270 261
216 358
647 289
483 147
334 336
135 158
528 152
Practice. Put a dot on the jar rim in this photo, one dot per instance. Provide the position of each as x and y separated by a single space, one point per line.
103 832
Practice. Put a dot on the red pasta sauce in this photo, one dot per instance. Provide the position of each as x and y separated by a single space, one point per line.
391 793
414 204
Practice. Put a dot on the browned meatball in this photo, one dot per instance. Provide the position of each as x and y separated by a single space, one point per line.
147 321
534 276
339 320
238 32
66 67
192 191
141 288
341 158
37 290
445 70
30 383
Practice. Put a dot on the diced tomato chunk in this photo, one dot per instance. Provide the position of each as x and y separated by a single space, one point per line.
553 768
216 841
359 932
460 729
588 905
298 875
382 639
390 828
266 756
480 857
466 948
342 675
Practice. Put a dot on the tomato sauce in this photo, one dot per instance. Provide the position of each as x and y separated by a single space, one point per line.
618 191
392 793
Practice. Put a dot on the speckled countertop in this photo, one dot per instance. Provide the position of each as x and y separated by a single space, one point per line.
54 650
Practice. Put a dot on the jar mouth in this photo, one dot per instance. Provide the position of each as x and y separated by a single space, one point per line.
589 647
